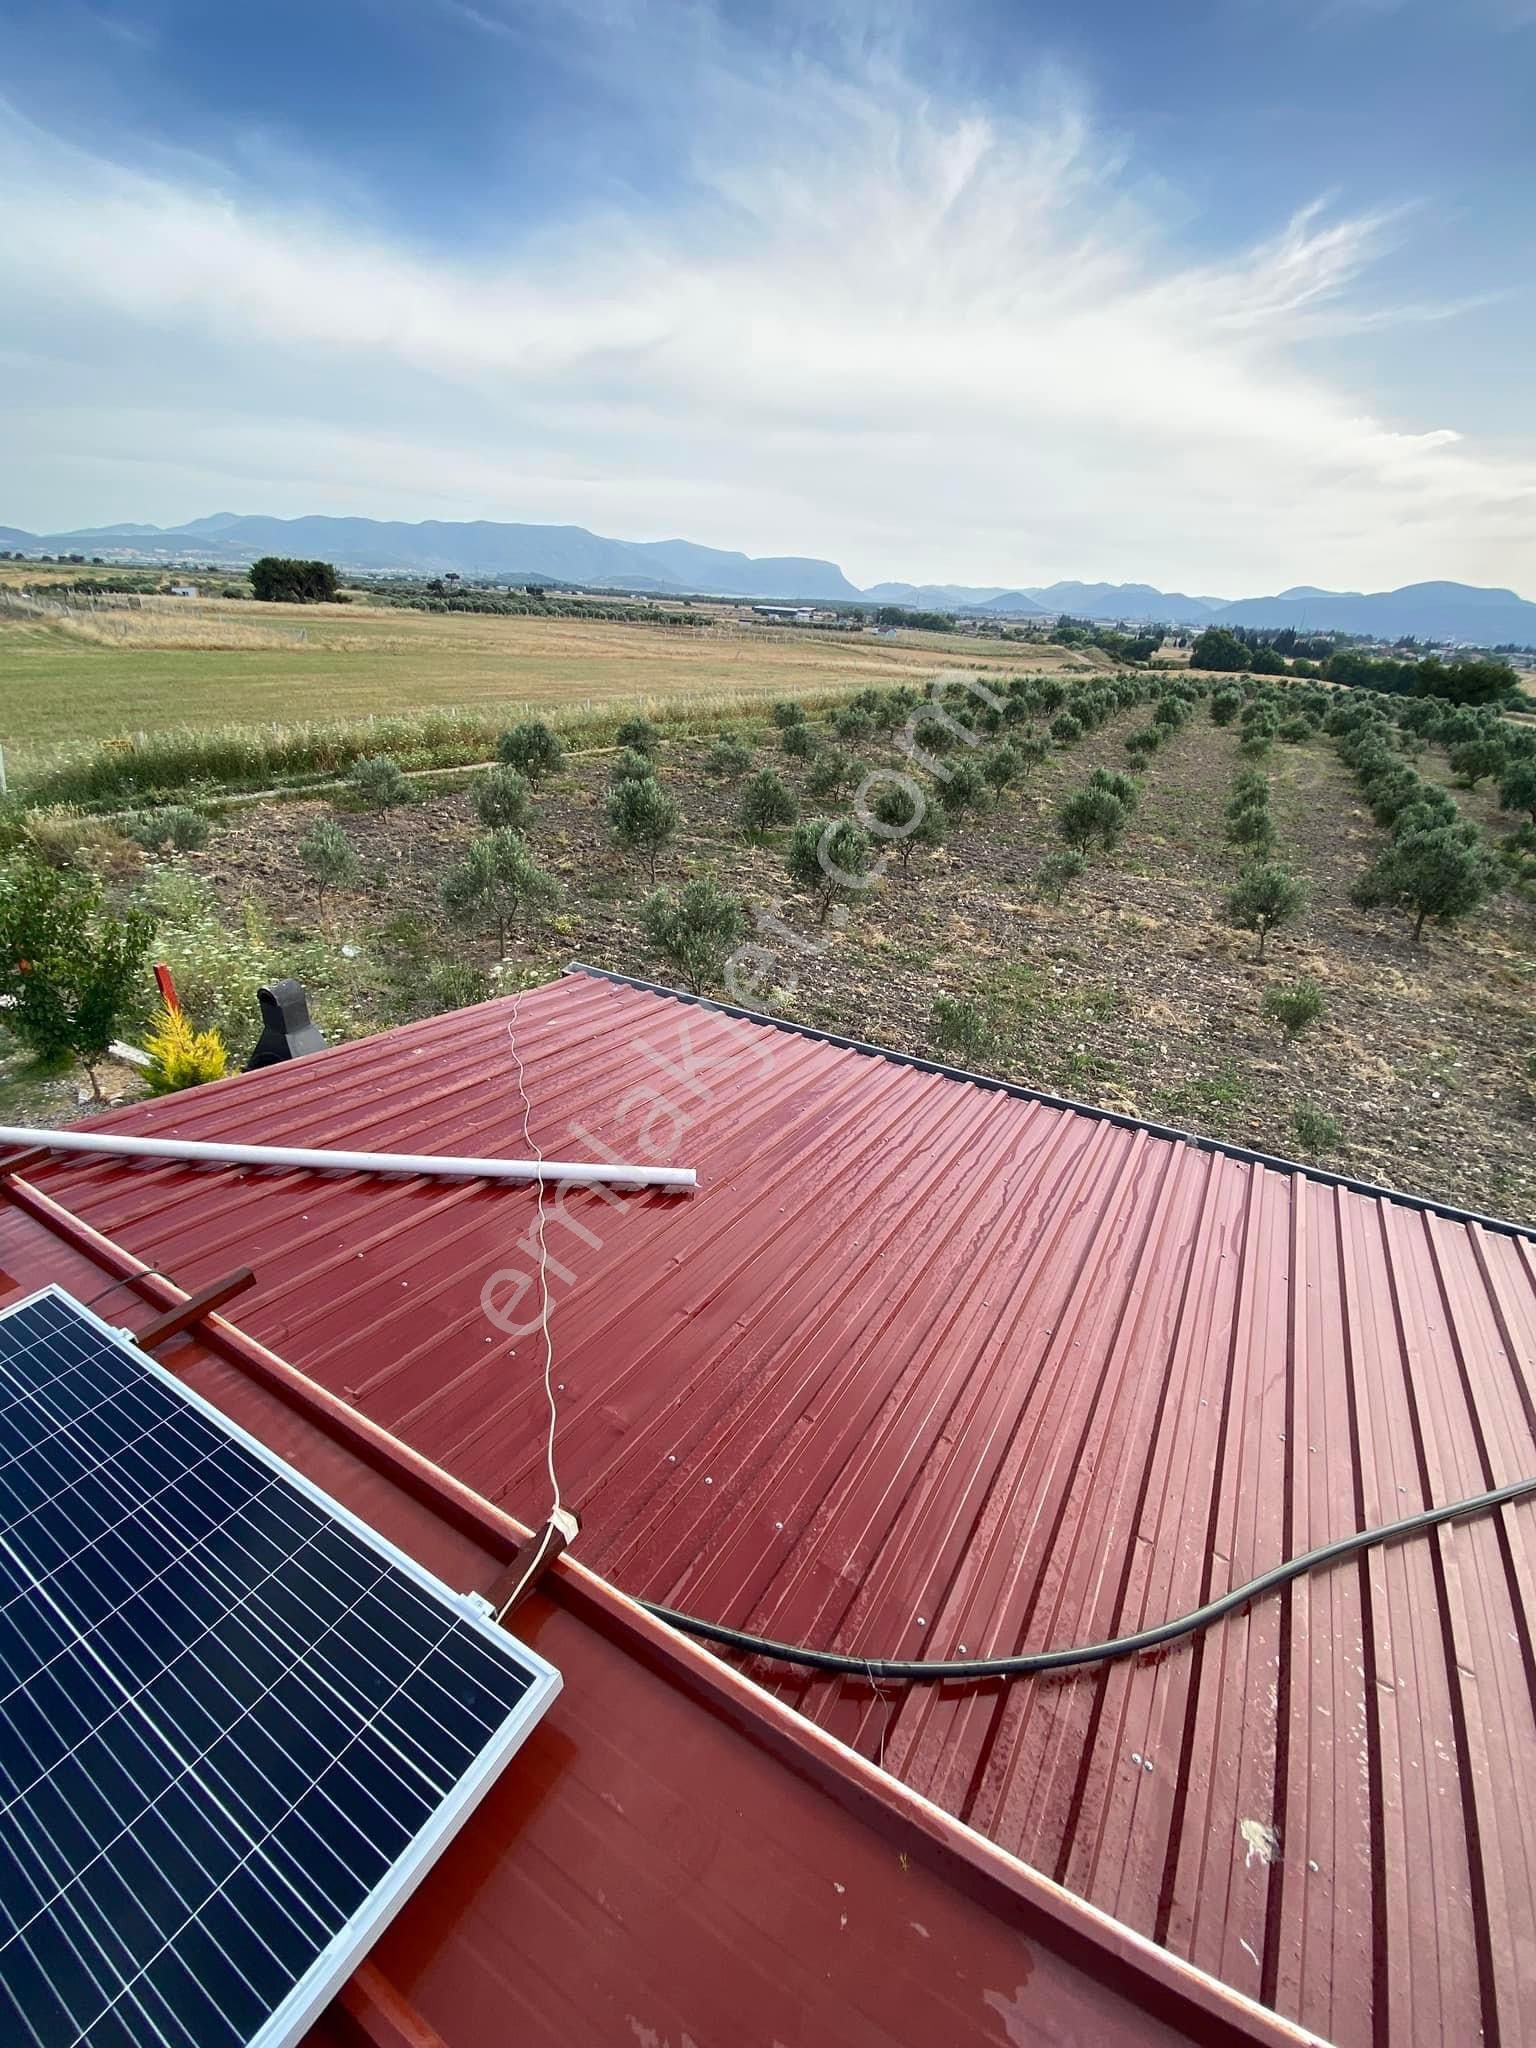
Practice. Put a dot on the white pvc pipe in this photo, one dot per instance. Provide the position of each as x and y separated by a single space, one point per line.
573 1173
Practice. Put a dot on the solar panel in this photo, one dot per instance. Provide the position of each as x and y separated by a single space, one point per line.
236 1725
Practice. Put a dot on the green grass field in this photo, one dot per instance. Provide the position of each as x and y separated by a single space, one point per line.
214 664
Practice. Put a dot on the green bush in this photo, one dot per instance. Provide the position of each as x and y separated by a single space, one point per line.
1294 731
379 782
497 882
729 757
851 724
638 733
1266 897
1517 787
1316 1131
630 765
1294 1006
962 1030
327 857
532 749
177 826
765 803
454 985
1171 713
697 930
829 858
643 818
1066 730
787 713
1091 818
1252 827
1143 743
502 801
799 742
71 969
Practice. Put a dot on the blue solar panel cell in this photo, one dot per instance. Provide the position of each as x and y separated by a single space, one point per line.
235 1725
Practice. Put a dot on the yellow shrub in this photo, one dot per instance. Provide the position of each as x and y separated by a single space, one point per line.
182 1057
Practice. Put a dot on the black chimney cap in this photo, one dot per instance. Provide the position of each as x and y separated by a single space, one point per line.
287 1029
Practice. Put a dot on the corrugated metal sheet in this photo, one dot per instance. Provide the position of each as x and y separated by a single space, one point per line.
926 1365
673 1856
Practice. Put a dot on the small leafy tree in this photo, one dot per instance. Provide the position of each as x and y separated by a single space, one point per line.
1252 827
1002 765
532 749
1517 788
327 857
497 882
830 771
1294 1006
69 967
786 712
766 803
729 757
380 783
1225 705
502 800
910 820
640 734
282 579
1091 817
852 723
1476 759
1058 871
1125 792
1266 897
964 789
697 930
1065 729
1441 873
1172 713
630 765
829 859
643 818
798 741
1219 648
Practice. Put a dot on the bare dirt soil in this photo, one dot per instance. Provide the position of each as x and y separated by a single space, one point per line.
1131 993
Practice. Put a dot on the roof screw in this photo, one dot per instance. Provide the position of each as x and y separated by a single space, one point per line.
921 1622
707 1480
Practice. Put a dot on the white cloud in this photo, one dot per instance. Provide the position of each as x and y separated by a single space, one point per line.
897 332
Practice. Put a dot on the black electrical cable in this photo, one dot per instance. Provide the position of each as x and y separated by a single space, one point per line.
1035 1662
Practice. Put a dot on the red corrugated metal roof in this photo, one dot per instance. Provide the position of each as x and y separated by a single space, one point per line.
673 1856
926 1365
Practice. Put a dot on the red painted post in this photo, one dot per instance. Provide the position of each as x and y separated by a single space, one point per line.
167 987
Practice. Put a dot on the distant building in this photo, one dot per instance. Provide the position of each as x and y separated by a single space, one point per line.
184 590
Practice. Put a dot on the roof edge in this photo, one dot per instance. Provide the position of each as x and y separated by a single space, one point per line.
1424 1204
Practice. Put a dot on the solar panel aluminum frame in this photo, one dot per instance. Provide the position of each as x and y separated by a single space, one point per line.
334 1964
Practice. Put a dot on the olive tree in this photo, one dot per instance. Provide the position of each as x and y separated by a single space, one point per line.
497 882
502 799
1091 818
1441 872
643 818
532 749
327 857
1266 897
829 858
697 930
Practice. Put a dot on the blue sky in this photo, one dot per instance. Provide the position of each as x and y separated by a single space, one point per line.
1225 295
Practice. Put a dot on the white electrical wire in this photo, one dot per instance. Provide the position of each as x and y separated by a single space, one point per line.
545 1306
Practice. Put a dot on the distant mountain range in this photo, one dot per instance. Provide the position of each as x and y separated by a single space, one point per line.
570 554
